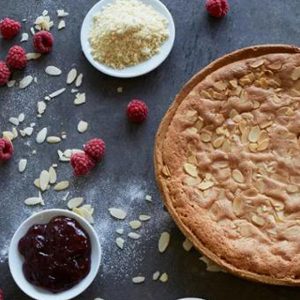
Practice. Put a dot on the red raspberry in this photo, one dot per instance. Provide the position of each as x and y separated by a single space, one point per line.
43 42
16 58
4 73
6 150
1 295
9 28
217 8
81 163
95 149
137 111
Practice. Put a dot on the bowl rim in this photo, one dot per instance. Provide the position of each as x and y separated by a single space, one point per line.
169 43
40 293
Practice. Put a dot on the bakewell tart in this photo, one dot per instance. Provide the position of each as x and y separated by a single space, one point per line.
227 161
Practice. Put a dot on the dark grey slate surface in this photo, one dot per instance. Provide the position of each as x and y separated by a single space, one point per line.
127 172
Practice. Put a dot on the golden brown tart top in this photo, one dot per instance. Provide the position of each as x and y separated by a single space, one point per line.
228 163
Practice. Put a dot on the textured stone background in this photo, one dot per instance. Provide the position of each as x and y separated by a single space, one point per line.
127 172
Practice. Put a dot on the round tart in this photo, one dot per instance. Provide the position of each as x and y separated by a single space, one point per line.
227 160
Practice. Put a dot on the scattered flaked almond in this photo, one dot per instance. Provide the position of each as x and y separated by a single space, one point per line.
22 165
52 175
34 201
57 93
134 235
25 82
164 277
33 55
120 230
61 186
164 241
53 139
71 76
61 24
44 180
155 275
80 99
117 213
78 81
14 121
24 37
187 245
53 71
82 126
75 202
120 242
138 279
41 136
144 218
135 224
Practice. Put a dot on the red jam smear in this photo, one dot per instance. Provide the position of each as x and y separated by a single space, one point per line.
57 255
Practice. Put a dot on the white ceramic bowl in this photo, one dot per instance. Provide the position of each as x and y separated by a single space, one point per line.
137 70
16 260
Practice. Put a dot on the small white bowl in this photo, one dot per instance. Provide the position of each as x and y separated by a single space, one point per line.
15 259
137 70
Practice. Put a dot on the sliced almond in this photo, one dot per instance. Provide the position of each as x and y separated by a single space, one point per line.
134 235
144 218
253 147
62 185
237 206
275 66
254 134
218 142
33 201
190 169
138 279
53 139
238 176
21 117
52 175
292 188
78 81
155 275
120 230
135 224
57 93
205 137
44 180
25 82
263 145
53 71
295 75
205 185
32 56
71 76
41 107
37 183
120 242
75 202
163 242
61 24
22 165
117 213
41 136
164 277
187 245
257 220
82 126
80 99
14 121
257 63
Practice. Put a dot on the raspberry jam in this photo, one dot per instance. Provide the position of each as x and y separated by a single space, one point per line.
57 255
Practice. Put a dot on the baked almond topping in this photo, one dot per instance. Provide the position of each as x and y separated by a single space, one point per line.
231 155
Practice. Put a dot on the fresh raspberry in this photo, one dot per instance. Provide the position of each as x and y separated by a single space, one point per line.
16 58
6 150
43 42
9 28
137 111
217 8
4 73
81 163
1 295
95 149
